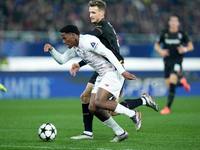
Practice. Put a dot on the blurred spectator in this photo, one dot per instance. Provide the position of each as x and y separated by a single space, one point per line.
129 16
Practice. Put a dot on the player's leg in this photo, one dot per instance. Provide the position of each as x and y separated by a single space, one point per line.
171 84
172 72
102 101
2 88
87 115
107 120
183 82
172 88
144 100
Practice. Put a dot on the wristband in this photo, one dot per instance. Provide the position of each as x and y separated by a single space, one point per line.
185 49
82 63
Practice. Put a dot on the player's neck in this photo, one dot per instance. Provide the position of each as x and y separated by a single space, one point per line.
173 30
99 20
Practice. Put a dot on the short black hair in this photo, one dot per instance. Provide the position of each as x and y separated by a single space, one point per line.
70 29
175 15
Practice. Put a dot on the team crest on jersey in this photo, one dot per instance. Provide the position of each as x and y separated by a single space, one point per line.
166 35
94 45
179 35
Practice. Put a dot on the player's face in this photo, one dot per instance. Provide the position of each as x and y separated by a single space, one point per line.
174 22
95 14
69 39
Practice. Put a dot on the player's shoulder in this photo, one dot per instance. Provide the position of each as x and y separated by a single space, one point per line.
104 24
89 42
183 32
164 33
87 38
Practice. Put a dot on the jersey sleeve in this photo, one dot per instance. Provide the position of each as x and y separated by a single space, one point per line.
186 38
160 38
65 57
96 46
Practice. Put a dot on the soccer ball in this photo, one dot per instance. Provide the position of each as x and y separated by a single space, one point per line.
47 132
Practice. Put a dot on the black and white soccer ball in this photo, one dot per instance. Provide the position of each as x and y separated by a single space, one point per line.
47 132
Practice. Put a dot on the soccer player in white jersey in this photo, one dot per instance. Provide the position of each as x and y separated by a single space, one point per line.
109 82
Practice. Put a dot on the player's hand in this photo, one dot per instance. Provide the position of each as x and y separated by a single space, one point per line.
129 76
47 47
164 53
75 67
181 49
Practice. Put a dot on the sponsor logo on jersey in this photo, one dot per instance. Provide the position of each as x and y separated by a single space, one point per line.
179 35
81 52
94 45
172 41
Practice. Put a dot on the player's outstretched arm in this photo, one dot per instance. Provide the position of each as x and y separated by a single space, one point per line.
60 58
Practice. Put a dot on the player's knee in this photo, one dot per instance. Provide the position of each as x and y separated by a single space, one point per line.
92 108
85 98
99 103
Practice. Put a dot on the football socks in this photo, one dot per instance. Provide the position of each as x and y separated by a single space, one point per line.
114 126
120 109
87 117
171 94
132 103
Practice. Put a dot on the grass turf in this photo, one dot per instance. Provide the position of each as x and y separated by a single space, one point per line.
20 120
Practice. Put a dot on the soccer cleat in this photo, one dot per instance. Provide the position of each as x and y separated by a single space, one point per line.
137 119
122 137
82 136
165 111
2 88
150 102
185 84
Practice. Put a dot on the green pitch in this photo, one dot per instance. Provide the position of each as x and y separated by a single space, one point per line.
20 120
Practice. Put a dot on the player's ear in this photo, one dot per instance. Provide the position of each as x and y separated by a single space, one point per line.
73 35
102 12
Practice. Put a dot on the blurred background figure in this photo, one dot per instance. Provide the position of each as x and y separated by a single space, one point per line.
172 52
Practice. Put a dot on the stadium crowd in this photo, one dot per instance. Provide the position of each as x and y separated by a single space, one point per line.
128 16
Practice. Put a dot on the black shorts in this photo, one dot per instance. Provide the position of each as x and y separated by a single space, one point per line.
93 77
173 68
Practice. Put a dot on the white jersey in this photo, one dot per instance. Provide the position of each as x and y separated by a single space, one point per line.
94 53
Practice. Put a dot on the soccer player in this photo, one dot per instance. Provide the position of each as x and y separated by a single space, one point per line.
107 35
109 81
2 88
173 51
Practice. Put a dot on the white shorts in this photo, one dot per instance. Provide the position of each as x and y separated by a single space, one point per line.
111 82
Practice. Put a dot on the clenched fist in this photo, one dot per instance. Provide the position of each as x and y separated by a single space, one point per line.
47 47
